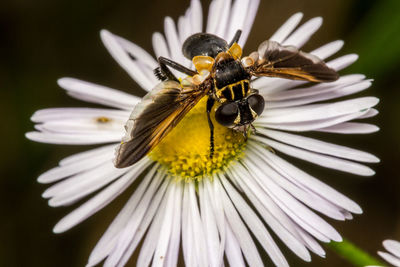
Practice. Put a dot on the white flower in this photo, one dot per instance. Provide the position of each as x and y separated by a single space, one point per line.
393 254
220 213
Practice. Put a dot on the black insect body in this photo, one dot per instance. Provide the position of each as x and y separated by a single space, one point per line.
204 44
231 80
231 88
224 77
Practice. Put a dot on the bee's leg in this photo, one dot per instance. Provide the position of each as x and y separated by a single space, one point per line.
235 38
163 73
245 133
210 104
253 128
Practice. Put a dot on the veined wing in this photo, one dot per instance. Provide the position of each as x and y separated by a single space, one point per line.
153 118
275 60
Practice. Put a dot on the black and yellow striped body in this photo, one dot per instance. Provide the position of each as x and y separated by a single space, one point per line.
231 80
233 92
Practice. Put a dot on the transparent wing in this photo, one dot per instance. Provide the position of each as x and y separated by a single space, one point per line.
275 60
153 118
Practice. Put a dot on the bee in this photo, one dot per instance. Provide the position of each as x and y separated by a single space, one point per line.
224 77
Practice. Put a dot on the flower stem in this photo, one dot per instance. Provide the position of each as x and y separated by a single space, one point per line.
353 254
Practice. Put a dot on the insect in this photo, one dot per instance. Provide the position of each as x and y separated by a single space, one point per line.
223 76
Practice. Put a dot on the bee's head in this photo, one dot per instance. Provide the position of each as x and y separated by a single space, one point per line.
210 45
203 44
241 112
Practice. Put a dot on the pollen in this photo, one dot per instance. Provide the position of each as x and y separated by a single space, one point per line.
102 120
185 151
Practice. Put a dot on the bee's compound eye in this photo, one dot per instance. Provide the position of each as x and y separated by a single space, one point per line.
227 113
257 103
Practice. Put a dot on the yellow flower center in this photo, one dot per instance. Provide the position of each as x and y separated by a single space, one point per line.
185 151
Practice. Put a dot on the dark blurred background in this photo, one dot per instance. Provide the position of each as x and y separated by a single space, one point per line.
41 41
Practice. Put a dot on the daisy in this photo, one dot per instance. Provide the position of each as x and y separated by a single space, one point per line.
393 254
225 207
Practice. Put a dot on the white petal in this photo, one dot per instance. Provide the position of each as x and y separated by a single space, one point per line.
322 160
283 32
84 179
100 200
290 222
278 222
86 155
323 111
160 45
173 248
188 24
347 215
222 26
311 125
182 29
188 242
85 164
237 18
212 192
75 190
84 126
109 239
351 128
210 228
311 243
121 56
239 229
165 229
232 249
323 95
137 52
152 207
342 62
56 114
147 71
328 49
135 228
320 146
274 112
99 94
152 237
297 175
371 113
214 13
304 32
292 207
196 16
392 246
249 20
301 193
173 41
73 139
390 258
197 227
315 89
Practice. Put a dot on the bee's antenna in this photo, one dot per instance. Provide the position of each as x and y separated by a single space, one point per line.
235 38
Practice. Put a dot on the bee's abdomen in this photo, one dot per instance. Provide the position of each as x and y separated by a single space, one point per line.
234 91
